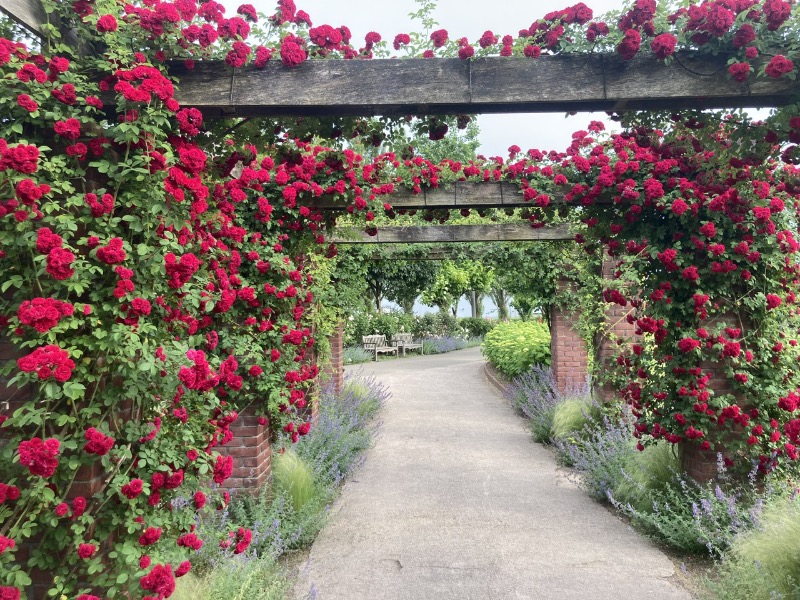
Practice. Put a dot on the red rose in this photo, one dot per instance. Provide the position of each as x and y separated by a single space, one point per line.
86 550
97 443
779 66
773 301
27 103
292 54
39 456
401 39
159 581
106 23
663 45
439 38
739 71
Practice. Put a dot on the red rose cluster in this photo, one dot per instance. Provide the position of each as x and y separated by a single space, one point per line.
48 361
39 456
43 313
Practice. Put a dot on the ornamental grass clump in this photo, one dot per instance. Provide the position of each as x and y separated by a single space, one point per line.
352 355
293 476
572 416
244 578
650 470
773 546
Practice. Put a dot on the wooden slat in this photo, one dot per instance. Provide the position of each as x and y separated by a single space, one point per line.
29 13
486 85
503 232
461 194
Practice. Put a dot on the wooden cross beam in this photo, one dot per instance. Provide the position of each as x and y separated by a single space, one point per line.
29 13
461 194
503 232
591 82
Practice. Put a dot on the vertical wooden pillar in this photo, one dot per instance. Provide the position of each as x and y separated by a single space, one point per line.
251 452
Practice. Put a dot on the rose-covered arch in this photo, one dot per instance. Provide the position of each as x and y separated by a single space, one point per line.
159 280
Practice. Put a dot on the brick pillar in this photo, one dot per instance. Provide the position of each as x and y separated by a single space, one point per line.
616 333
251 452
334 371
701 465
568 352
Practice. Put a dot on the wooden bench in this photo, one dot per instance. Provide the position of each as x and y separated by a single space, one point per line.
405 341
377 344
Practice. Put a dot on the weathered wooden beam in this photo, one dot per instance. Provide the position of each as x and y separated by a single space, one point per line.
445 252
503 232
593 82
460 194
28 13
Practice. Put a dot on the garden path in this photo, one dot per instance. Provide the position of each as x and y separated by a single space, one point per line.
455 501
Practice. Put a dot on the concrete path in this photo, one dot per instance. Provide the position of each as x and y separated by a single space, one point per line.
456 502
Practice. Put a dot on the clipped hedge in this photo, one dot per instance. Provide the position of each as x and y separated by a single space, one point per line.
514 346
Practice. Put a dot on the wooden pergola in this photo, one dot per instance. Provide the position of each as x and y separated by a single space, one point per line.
594 82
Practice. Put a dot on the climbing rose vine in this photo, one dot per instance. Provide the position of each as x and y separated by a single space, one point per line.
158 269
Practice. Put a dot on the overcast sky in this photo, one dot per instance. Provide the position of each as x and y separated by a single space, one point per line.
461 18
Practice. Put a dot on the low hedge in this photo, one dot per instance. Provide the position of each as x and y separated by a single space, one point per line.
514 346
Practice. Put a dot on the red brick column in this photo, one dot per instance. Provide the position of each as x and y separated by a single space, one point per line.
568 352
251 452
616 333
334 371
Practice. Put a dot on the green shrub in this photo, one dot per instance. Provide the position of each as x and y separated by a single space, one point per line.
514 346
437 324
292 475
476 327
769 553
242 578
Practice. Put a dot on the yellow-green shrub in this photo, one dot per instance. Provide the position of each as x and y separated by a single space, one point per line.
514 346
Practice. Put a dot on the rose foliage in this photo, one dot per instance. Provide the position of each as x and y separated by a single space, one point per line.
157 280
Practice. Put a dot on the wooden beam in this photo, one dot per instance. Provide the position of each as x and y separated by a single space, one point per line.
28 13
589 82
503 232
461 194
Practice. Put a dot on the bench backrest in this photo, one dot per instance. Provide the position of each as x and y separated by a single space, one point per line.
402 337
374 341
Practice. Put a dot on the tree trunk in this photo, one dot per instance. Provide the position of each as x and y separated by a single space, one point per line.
479 305
408 306
473 303
500 298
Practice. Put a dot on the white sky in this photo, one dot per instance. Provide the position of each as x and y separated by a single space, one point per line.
461 18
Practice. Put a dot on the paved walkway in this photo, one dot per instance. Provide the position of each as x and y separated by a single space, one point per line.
456 502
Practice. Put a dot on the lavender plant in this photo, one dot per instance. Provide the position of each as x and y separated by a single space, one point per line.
445 343
536 394
281 519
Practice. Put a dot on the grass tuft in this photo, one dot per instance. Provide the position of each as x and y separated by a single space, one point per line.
292 475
